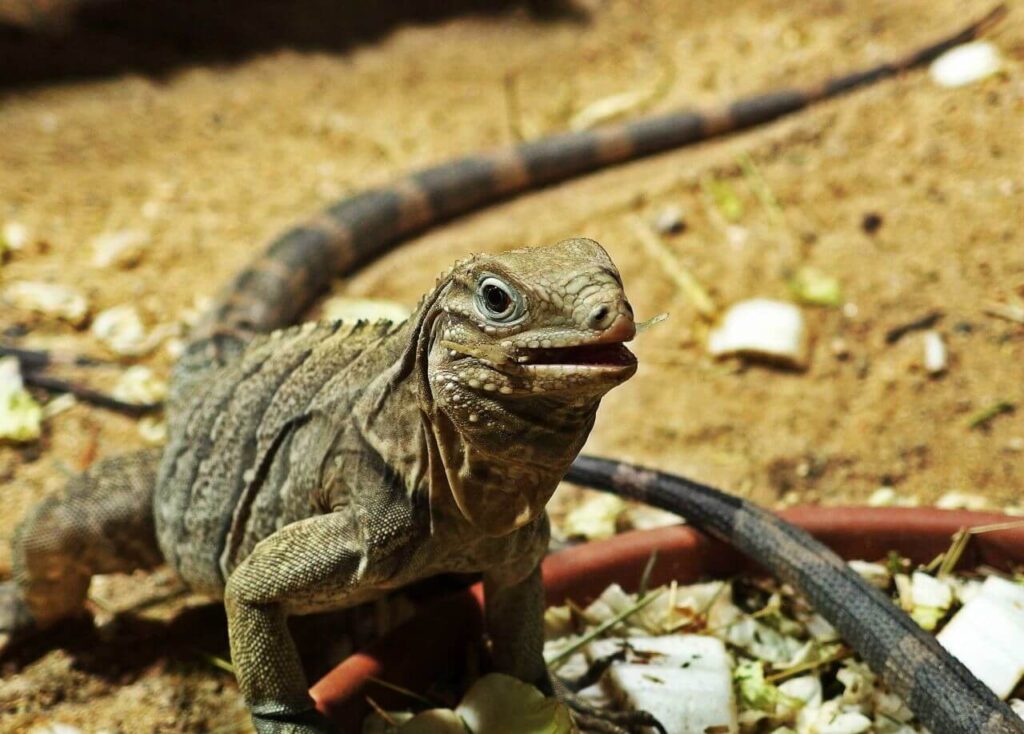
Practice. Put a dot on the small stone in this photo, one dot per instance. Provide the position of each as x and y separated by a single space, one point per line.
882 497
140 386
48 299
56 727
14 236
121 330
670 220
123 249
153 430
935 355
871 222
839 348
966 64
962 501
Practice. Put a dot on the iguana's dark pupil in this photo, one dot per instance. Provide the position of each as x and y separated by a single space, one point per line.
496 298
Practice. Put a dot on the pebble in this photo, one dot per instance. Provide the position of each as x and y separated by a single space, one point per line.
936 358
139 385
123 249
14 236
48 299
962 501
670 220
966 64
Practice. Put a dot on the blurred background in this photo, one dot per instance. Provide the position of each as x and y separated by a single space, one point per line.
149 147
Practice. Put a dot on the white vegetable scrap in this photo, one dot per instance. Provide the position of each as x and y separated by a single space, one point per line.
685 681
931 598
874 573
936 359
594 518
764 330
120 329
987 635
954 500
350 310
48 299
888 497
56 727
122 249
153 430
495 703
20 415
140 385
966 64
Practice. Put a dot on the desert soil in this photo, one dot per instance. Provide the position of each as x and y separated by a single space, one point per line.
208 131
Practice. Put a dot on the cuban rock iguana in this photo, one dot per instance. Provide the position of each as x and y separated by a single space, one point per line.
321 466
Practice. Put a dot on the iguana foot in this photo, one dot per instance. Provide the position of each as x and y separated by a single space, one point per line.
308 721
16 623
589 718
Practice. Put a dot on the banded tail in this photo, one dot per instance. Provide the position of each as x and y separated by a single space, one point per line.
296 267
942 693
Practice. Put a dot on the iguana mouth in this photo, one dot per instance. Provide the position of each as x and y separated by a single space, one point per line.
614 355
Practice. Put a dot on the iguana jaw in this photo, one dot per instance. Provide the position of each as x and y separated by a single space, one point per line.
603 358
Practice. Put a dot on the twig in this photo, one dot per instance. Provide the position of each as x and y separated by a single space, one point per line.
602 628
1006 311
404 691
645 577
381 712
88 395
924 322
216 661
513 108
671 266
983 416
842 654
762 190
963 536
37 359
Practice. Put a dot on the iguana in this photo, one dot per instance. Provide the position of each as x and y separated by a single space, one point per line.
320 466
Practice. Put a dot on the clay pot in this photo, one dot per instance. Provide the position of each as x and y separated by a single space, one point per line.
437 642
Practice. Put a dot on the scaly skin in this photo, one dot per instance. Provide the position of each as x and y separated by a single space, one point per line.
323 469
321 466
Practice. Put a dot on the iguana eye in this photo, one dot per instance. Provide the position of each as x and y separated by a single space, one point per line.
498 301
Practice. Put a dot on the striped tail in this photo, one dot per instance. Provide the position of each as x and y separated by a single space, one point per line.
279 285
941 692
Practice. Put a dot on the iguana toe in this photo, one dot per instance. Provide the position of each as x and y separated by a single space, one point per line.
588 718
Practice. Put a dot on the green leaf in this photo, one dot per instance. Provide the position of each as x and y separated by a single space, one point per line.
757 693
501 704
435 721
811 286
20 415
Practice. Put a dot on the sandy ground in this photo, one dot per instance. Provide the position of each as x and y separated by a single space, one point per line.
209 131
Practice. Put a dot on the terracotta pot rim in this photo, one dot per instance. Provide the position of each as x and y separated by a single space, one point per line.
581 572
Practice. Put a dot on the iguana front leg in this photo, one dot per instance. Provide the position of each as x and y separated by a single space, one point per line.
311 564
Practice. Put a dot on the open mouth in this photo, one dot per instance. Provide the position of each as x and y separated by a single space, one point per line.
584 355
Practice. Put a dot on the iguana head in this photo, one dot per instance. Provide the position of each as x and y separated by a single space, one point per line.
522 347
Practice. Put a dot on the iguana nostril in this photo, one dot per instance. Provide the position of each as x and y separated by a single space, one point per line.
600 317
